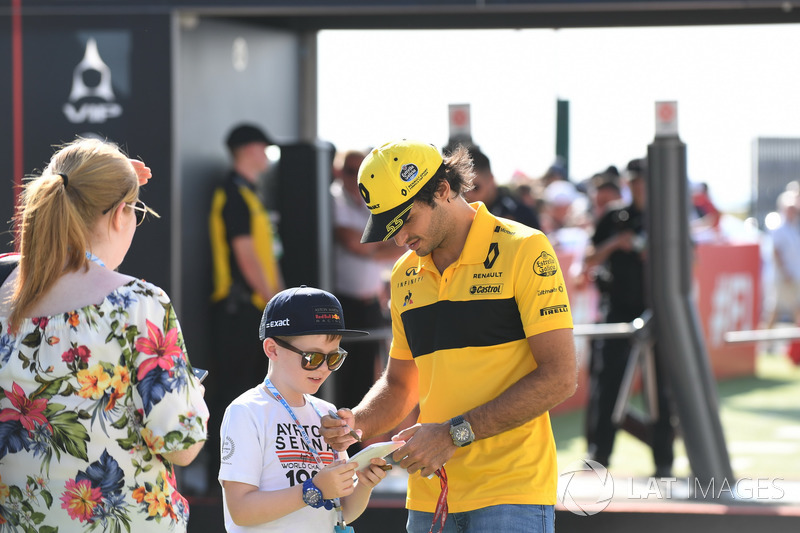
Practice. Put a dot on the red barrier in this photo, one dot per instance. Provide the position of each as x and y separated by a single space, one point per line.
728 295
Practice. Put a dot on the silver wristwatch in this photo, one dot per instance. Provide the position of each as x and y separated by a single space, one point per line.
461 431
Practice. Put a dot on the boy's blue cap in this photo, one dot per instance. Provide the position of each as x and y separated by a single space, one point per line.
304 311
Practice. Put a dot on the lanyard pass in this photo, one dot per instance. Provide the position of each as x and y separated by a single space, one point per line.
441 504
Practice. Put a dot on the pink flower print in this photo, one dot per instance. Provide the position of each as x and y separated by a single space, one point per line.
80 499
164 347
27 412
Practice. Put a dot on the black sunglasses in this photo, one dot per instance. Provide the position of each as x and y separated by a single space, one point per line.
314 360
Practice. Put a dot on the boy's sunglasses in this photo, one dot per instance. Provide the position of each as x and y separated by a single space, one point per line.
314 360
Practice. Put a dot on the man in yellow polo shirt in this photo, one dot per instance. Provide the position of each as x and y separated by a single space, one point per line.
482 340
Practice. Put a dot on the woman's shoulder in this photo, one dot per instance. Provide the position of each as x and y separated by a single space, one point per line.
142 286
138 296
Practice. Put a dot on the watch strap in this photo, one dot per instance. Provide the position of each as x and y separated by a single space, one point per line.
308 486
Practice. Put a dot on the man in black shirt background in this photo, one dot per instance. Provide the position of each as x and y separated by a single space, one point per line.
620 244
498 200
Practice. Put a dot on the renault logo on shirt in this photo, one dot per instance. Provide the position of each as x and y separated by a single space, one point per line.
491 256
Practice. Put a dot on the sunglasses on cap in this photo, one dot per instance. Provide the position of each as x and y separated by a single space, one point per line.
314 360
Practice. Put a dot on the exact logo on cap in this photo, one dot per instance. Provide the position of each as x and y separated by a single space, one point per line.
278 323
388 180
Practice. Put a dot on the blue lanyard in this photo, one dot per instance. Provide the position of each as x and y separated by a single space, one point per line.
91 257
317 457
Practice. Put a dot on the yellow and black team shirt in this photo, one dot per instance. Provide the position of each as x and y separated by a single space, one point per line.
236 210
466 329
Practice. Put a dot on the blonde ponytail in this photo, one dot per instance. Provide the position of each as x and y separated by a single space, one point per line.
57 212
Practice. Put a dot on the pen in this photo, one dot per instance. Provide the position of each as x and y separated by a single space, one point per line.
352 433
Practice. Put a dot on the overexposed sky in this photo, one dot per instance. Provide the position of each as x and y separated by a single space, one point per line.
732 84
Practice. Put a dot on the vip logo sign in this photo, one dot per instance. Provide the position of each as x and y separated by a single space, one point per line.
91 98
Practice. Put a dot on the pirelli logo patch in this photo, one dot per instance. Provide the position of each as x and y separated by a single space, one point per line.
552 310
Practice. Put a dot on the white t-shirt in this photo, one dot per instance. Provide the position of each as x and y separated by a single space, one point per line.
262 446
786 241
357 276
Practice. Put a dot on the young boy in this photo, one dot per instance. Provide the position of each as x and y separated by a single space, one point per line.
276 471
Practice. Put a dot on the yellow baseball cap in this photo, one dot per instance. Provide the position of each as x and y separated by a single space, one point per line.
389 178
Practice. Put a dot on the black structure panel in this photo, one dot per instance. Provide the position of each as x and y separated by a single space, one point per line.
305 213
104 77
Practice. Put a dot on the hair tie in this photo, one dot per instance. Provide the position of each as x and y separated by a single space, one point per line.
65 179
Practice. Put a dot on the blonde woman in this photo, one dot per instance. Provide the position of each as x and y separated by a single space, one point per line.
97 397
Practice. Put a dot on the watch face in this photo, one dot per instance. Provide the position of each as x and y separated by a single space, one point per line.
312 496
461 434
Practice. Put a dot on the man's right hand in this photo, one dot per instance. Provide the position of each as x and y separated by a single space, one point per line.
336 432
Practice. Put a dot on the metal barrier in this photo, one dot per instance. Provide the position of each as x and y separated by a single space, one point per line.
641 356
758 335
640 332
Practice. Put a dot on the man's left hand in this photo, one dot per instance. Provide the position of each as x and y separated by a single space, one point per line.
427 448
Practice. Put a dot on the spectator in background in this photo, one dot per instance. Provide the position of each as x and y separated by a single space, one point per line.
605 192
619 242
361 279
246 274
527 196
563 214
706 217
557 201
498 200
557 171
786 252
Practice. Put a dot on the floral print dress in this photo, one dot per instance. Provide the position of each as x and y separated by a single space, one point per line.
89 399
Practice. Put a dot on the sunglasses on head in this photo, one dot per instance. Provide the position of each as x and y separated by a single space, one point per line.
140 209
314 360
